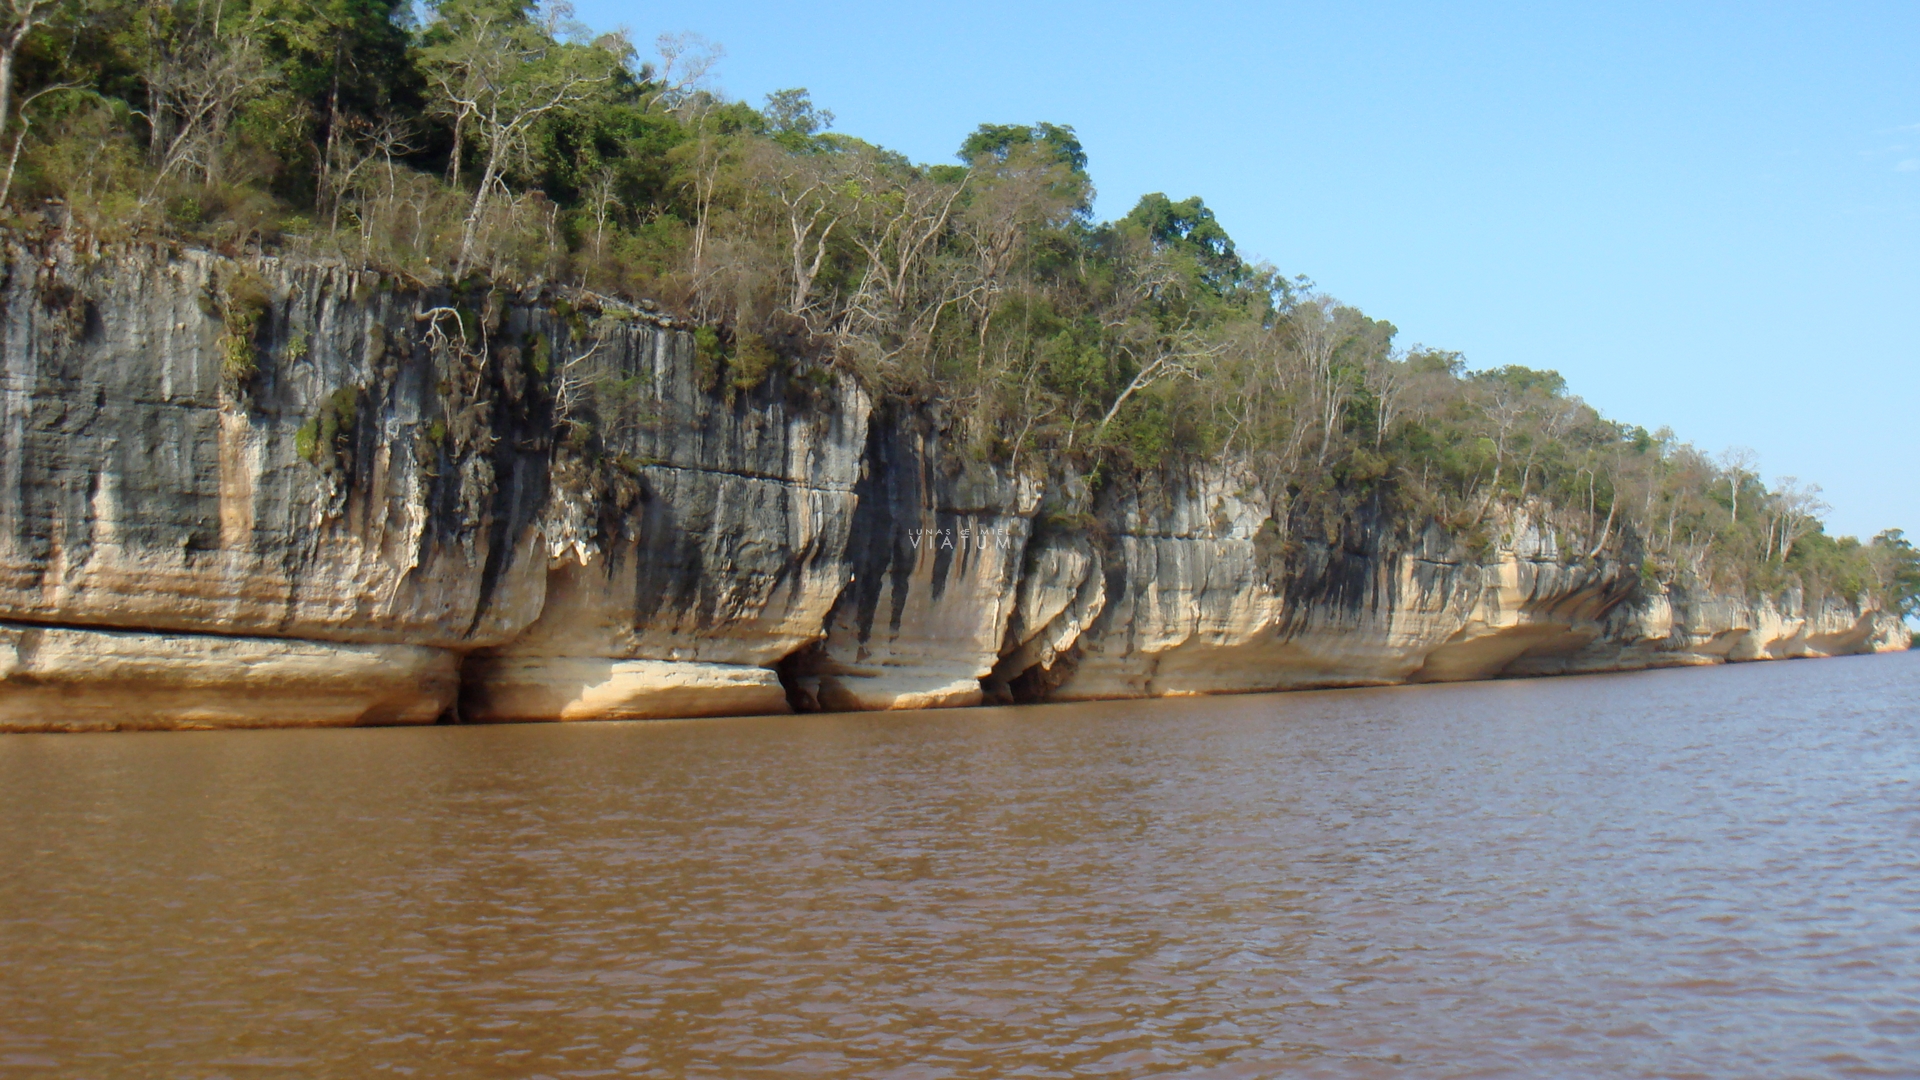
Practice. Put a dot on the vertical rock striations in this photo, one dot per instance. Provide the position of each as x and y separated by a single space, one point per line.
233 459
936 550
260 492
707 541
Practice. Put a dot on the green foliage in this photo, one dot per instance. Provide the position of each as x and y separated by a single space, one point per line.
794 121
1072 366
345 403
999 145
1525 380
244 301
999 140
306 439
539 355
1147 435
237 363
753 361
325 438
1895 565
708 355
1190 227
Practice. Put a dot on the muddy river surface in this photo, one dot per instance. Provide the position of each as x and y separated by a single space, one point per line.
1705 873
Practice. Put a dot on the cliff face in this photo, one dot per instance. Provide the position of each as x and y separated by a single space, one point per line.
247 492
700 544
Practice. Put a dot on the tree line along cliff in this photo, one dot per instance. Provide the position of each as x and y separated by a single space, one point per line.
515 204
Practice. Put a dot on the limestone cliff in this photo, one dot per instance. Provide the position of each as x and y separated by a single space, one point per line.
263 491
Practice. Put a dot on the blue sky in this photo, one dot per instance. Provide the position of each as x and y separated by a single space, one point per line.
1705 216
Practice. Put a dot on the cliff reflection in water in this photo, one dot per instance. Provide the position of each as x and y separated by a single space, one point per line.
1709 873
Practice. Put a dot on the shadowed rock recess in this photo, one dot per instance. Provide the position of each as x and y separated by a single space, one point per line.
261 492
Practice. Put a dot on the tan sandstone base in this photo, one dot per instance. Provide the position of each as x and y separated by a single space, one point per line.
64 679
505 689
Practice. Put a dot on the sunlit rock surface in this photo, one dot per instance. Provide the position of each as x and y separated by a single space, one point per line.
242 492
509 688
66 679
719 549
936 556
140 486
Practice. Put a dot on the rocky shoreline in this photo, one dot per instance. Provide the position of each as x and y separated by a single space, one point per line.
267 492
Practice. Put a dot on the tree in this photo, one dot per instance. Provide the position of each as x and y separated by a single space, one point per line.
901 216
1189 228
198 74
347 62
1177 357
1041 145
686 63
1386 379
1895 566
18 20
1799 511
496 73
792 119
1020 197
1739 463
810 206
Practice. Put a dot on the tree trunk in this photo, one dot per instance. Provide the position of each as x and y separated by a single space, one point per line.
495 149
459 145
1608 530
7 53
331 196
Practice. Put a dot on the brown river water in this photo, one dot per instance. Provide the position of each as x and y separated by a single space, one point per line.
1704 873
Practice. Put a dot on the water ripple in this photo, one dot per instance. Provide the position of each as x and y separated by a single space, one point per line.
1676 874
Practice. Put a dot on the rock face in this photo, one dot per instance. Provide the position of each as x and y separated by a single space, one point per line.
261 492
194 444
936 556
719 548
61 679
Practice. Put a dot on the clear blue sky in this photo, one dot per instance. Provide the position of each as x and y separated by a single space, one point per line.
1704 215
